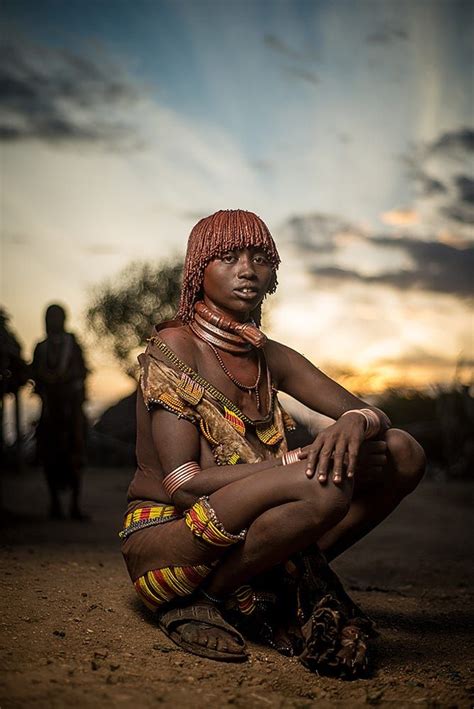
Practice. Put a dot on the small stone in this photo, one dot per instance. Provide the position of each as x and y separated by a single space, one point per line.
59 633
101 654
94 665
162 649
374 697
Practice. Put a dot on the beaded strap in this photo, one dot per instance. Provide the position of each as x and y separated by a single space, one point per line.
143 517
179 476
143 523
215 393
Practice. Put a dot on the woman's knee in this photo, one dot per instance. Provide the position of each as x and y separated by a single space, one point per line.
407 458
330 503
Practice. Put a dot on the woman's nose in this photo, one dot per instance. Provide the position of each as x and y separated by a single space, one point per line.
246 266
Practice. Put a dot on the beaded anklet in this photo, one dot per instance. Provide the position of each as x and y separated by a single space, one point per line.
213 599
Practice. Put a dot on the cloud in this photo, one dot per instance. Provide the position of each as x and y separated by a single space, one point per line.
429 185
442 171
57 96
465 186
421 356
400 217
305 74
460 140
316 233
386 34
262 165
335 249
299 69
101 249
437 267
280 47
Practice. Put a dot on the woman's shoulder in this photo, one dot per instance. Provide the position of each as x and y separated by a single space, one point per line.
179 340
283 361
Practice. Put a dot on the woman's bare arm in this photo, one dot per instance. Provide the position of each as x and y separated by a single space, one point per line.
297 376
177 441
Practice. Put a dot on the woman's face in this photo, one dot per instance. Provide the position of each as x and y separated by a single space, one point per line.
237 281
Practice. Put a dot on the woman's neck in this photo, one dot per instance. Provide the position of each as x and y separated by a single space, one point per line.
230 314
217 328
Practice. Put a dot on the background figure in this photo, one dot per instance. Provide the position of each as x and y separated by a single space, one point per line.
59 372
14 374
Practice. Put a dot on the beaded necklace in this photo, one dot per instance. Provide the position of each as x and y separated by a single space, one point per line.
243 387
215 393
219 331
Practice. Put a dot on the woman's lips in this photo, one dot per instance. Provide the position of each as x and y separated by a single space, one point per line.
247 293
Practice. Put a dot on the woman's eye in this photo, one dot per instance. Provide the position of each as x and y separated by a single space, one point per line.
260 258
227 258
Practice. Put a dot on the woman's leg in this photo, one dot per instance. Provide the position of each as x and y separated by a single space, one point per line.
375 499
284 511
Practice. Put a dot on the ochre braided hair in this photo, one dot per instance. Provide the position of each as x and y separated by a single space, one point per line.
213 236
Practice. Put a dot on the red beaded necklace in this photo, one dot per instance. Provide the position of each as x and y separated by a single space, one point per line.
240 385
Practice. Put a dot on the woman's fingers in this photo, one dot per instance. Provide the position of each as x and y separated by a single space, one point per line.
352 454
337 454
323 463
338 462
312 458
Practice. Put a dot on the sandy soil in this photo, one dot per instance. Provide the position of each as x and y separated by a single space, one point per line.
74 635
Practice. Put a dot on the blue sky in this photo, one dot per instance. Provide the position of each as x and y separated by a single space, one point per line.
345 125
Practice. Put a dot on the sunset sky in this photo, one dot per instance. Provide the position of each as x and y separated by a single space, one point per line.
346 125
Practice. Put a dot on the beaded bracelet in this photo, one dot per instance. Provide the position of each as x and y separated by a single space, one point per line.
218 524
291 457
372 421
213 599
179 476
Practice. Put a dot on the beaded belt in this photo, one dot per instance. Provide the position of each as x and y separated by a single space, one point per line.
144 517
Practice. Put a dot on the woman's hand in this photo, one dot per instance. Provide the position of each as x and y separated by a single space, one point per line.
338 445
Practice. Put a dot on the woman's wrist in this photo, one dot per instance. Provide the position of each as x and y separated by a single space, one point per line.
372 421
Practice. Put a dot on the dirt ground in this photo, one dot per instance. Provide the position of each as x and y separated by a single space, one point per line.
74 634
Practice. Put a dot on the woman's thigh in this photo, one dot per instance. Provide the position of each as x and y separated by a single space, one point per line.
238 504
170 544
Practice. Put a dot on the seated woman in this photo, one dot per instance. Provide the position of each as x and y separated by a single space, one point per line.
227 532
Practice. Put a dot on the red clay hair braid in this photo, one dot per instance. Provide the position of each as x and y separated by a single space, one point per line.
213 236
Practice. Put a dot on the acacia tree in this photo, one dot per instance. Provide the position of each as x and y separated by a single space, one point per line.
122 313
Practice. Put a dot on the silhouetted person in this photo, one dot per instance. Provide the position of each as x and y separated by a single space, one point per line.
14 373
59 372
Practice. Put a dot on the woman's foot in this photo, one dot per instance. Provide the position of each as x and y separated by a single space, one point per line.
199 628
335 630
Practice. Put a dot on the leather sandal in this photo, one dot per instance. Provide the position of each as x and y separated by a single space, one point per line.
206 616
